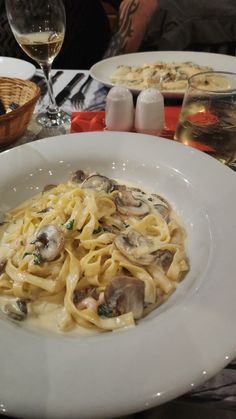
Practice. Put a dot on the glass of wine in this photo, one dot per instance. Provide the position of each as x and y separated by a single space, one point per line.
39 28
208 116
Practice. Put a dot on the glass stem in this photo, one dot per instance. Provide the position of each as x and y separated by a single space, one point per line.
52 108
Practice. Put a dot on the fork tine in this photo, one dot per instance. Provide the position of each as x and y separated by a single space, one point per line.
77 101
78 98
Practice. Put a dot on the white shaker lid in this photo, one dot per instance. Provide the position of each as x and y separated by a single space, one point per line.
149 114
119 110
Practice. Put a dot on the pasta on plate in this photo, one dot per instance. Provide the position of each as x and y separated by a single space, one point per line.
98 253
167 76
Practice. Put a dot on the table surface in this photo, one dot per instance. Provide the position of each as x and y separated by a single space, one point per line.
34 131
217 397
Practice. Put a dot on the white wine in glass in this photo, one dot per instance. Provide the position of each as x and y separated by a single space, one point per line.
42 46
39 28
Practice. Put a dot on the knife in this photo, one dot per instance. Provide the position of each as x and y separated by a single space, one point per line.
64 94
37 78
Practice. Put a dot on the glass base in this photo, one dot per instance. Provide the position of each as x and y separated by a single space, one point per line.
56 119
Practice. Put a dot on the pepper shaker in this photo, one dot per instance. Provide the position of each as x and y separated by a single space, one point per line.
149 113
119 110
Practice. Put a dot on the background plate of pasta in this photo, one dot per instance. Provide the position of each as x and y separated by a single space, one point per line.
166 70
116 265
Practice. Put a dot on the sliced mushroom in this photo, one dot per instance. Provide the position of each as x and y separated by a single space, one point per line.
88 298
129 203
49 242
88 302
78 176
2 218
79 295
160 205
48 187
3 263
118 187
17 310
136 247
98 183
164 257
125 294
45 210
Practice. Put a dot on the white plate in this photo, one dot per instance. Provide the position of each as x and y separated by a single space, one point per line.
14 67
103 70
180 344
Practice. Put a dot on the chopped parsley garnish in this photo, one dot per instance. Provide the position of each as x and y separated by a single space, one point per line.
69 224
37 259
121 226
98 230
114 226
103 310
27 254
43 211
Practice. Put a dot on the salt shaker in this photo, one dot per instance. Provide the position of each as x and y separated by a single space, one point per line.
119 110
149 113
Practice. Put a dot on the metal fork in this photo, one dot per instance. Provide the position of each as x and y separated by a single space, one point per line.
78 98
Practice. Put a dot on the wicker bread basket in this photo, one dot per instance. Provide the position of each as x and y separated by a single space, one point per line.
24 93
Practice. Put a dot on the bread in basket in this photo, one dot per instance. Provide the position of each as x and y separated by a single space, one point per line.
20 92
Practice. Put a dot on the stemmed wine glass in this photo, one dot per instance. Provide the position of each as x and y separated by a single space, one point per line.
39 28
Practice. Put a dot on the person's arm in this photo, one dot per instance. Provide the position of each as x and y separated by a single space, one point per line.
134 18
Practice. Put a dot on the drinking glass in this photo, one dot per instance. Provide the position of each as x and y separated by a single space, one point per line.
39 28
208 116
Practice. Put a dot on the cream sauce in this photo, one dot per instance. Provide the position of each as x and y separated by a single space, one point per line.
47 316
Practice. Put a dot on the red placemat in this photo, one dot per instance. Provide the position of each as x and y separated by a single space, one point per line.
171 117
95 121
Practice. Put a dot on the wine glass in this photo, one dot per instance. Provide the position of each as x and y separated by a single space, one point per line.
208 116
39 28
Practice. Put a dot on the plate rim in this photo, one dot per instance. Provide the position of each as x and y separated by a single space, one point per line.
152 396
28 75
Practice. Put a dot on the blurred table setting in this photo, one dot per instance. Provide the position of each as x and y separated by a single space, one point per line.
94 100
87 112
61 78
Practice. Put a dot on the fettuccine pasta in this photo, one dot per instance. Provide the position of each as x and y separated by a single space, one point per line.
99 254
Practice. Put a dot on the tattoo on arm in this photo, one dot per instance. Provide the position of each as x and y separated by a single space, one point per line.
124 31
